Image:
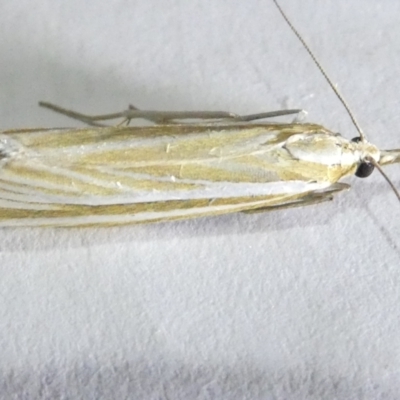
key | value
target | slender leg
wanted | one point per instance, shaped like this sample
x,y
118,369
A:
x,y
229,117
265,115
165,117
72,114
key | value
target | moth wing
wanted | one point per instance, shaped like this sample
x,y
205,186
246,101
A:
x,y
130,175
139,165
305,199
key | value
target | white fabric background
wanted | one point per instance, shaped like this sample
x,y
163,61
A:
x,y
303,303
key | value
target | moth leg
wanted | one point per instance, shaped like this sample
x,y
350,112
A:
x,y
164,117
265,115
87,119
154,119
133,112
91,120
311,198
170,117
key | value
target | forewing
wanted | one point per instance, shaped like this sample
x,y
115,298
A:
x,y
151,173
304,199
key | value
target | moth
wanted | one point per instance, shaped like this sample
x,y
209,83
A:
x,y
110,175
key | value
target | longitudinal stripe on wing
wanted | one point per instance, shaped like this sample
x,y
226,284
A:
x,y
62,138
73,215
125,175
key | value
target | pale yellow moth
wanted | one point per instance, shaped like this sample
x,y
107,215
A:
x,y
109,175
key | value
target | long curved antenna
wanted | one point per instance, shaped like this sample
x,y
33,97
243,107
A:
x,y
323,72
376,164
389,156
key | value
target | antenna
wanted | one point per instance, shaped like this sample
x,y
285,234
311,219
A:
x,y
323,72
338,95
396,192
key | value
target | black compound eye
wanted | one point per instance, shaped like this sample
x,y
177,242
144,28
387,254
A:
x,y
365,169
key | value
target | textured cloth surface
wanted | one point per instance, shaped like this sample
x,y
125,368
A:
x,y
301,303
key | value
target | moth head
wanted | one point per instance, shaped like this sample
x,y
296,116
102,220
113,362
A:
x,y
373,158
367,165
368,160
